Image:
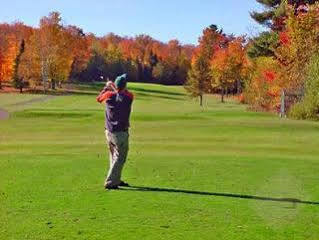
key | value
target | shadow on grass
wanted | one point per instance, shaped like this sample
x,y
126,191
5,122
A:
x,y
52,115
230,195
95,88
34,100
62,92
148,96
137,89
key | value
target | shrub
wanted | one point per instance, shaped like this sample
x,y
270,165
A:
x,y
262,88
308,108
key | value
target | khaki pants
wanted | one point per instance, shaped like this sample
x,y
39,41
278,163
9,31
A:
x,y
118,148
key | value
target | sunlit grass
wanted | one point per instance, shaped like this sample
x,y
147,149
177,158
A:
x,y
53,159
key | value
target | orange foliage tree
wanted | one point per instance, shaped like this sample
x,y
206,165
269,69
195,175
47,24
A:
x,y
288,69
226,66
8,53
199,77
298,42
263,88
49,53
80,49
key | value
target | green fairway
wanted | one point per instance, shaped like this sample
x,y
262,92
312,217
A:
x,y
208,173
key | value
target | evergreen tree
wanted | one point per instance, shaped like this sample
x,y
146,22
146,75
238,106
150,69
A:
x,y
263,45
272,17
18,81
274,12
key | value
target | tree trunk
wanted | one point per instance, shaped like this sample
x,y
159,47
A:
x,y
222,95
0,85
201,100
52,84
44,75
21,87
238,91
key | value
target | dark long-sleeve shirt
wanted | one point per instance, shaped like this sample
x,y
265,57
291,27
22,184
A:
x,y
118,109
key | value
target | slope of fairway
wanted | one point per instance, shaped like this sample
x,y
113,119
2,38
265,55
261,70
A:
x,y
217,172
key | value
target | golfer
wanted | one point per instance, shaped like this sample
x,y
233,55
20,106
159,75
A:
x,y
117,114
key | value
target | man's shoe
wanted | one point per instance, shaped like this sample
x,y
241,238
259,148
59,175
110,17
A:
x,y
111,187
124,184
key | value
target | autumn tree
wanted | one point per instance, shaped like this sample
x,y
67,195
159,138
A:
x,y
172,64
8,51
6,56
54,53
30,62
52,47
263,88
1,64
199,77
288,68
226,66
274,17
80,50
1,61
298,43
11,37
198,81
142,51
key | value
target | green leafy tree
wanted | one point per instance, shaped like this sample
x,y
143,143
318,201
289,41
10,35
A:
x,y
308,108
163,73
198,81
264,45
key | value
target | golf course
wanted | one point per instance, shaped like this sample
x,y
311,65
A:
x,y
211,172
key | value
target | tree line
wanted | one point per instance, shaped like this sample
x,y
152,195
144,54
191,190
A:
x,y
54,53
258,69
285,58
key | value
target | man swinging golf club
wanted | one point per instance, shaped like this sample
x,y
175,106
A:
x,y
117,114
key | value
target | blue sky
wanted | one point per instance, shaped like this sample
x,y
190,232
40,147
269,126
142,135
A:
x,y
162,19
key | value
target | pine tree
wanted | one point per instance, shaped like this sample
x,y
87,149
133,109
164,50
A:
x,y
272,17
274,12
263,45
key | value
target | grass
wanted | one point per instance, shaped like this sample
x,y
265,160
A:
x,y
53,160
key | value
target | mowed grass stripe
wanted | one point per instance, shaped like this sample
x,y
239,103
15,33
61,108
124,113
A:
x,y
53,159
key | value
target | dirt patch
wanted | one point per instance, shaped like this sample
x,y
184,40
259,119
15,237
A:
x,y
3,114
7,90
34,100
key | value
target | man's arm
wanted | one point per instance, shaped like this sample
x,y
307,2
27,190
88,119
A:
x,y
99,97
104,95
107,92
